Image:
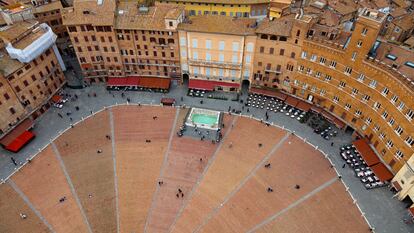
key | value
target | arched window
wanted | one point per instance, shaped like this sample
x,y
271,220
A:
x,y
170,41
273,37
263,36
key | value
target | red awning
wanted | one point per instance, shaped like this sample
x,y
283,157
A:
x,y
154,82
16,132
316,109
292,101
411,211
116,81
269,93
381,171
366,152
20,141
304,106
147,82
168,101
208,85
86,66
56,98
340,124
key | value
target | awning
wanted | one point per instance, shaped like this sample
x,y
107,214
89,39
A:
x,y
20,141
86,66
56,98
316,109
340,124
381,171
16,132
208,85
396,186
292,101
167,101
411,211
269,93
154,82
147,82
328,116
366,152
304,106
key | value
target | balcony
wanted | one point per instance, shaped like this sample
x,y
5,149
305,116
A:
x,y
218,64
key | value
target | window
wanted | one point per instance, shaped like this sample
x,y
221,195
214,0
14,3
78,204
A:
x,y
194,43
399,130
385,91
248,59
328,78
304,55
261,49
313,57
221,57
391,57
292,55
373,83
300,68
12,111
271,50
358,113
335,99
377,106
368,121
410,114
182,41
354,92
170,23
221,45
6,96
354,55
399,154
249,47
365,98
377,128
384,114
348,70
361,78
234,58
347,106
195,70
359,43
195,55
318,74
409,141
183,53
394,99
322,60
401,106
364,31
282,52
208,56
235,46
389,144
342,84
332,64
391,121
382,135
208,44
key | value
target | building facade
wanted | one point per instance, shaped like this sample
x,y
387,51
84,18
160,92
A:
x,y
371,97
32,72
138,41
217,51
236,8
278,46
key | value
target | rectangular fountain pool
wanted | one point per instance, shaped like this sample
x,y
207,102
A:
x,y
203,118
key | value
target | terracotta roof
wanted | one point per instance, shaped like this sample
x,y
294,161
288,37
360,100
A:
x,y
224,1
7,64
401,3
280,27
409,42
219,24
398,12
89,12
381,3
405,22
129,17
402,55
343,7
48,7
14,31
329,18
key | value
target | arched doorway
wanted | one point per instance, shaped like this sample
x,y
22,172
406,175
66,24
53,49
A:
x,y
186,78
245,86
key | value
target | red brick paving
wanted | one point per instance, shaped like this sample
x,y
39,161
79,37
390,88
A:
x,y
44,183
139,163
92,173
231,165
